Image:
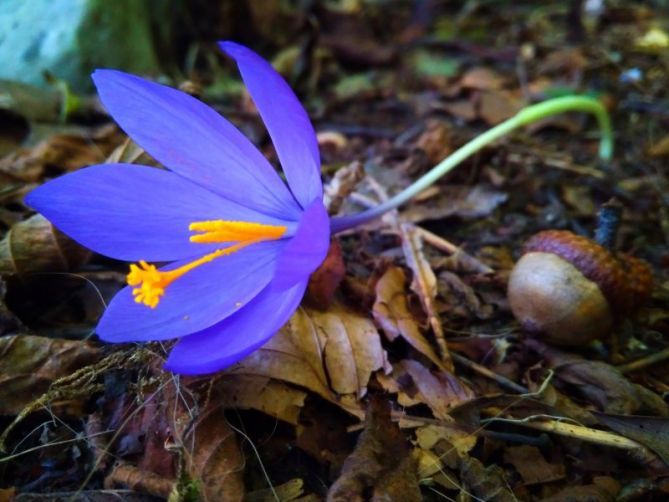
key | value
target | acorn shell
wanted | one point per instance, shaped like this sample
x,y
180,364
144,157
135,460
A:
x,y
571,289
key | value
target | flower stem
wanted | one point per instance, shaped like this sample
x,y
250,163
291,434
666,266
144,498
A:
x,y
524,117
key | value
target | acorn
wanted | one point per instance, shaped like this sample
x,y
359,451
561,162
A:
x,y
571,290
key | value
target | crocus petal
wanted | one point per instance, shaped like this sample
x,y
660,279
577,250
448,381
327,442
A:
x,y
195,301
237,336
194,141
288,124
134,212
307,249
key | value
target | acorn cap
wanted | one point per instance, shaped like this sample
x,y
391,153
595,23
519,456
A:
x,y
625,282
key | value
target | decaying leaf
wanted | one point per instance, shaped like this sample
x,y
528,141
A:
x,y
64,151
381,463
29,364
486,483
429,436
213,457
424,284
652,432
391,312
602,384
261,393
532,466
463,201
415,384
324,282
330,353
34,246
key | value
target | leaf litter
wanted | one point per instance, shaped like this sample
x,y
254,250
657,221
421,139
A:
x,y
403,375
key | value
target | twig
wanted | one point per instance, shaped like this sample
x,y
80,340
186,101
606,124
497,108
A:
x,y
644,362
486,372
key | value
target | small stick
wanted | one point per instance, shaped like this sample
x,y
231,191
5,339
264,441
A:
x,y
644,362
485,372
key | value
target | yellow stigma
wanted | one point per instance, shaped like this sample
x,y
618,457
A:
x,y
151,282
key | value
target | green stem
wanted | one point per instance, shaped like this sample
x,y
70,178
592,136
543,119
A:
x,y
524,117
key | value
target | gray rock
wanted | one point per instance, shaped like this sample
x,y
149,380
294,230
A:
x,y
70,38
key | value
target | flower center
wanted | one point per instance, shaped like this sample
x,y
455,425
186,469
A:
x,y
151,282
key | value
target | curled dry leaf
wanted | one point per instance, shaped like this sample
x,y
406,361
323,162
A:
x,y
414,384
485,483
65,151
424,283
324,282
391,312
213,456
600,383
381,462
34,246
261,393
330,353
29,364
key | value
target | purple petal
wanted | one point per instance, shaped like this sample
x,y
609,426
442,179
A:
x,y
133,212
307,249
194,141
287,122
195,301
238,335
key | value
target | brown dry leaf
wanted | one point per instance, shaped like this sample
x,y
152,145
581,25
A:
x,y
481,78
213,456
600,383
381,462
330,353
429,436
260,393
435,141
342,185
463,201
391,312
324,282
66,151
660,148
497,106
415,384
532,466
589,493
29,364
34,245
652,432
9,323
424,284
138,480
464,109
486,483
291,490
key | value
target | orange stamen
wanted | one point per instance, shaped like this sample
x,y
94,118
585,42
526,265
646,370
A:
x,y
152,282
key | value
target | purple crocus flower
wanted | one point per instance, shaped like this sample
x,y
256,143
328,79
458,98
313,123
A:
x,y
241,243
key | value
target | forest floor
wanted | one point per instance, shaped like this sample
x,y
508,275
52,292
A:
x,y
404,375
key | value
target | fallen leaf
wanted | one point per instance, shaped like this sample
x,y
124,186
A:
x,y
486,483
380,463
424,284
325,280
481,78
260,393
330,353
532,466
213,456
462,441
652,432
497,106
391,312
30,364
34,245
463,201
415,384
